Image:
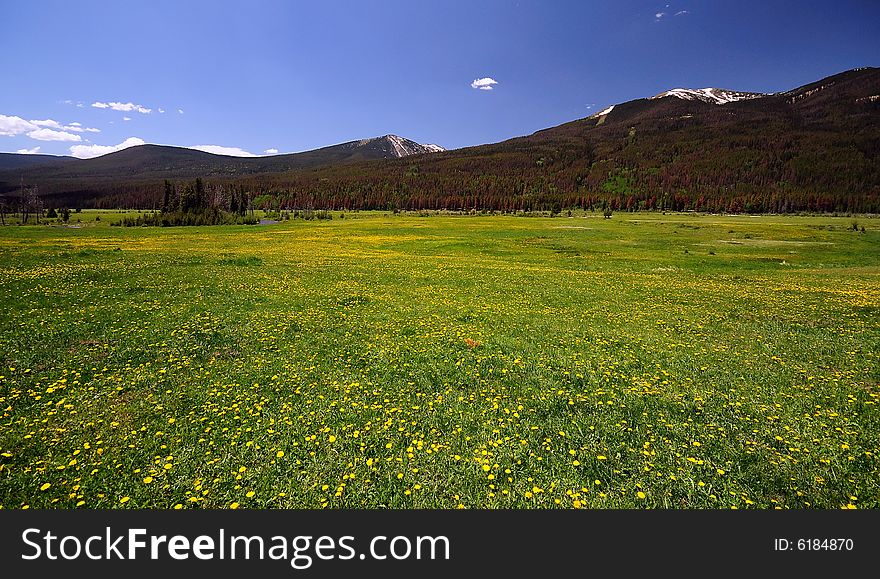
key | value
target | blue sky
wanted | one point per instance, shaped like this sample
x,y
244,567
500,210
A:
x,y
289,76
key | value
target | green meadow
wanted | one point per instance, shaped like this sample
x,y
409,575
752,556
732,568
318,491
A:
x,y
648,360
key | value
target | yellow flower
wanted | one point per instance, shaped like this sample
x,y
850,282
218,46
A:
x,y
601,457
331,438
124,500
250,494
148,480
45,486
279,454
233,506
640,494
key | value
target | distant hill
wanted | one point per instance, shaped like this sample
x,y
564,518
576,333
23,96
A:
x,y
20,161
165,162
813,148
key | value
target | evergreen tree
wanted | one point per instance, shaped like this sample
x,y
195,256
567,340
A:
x,y
167,197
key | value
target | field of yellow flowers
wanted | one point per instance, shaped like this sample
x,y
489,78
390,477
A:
x,y
648,360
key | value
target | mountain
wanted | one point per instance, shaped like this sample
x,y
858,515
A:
x,y
166,162
20,161
812,148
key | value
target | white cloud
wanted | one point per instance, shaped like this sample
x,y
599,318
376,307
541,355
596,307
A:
x,y
271,151
42,130
48,123
122,107
11,126
33,151
659,15
80,105
89,151
180,111
126,118
53,135
682,12
484,83
218,150
162,111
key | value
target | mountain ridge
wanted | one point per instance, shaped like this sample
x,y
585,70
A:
x,y
384,147
812,148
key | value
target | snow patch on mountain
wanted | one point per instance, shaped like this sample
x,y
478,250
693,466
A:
x,y
795,96
718,96
401,147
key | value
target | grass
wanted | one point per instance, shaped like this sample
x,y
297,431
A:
x,y
649,360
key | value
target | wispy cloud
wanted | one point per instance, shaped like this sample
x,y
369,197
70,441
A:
x,y
486,83
48,123
218,150
661,14
180,111
122,107
271,151
72,127
89,151
162,111
126,118
33,151
53,135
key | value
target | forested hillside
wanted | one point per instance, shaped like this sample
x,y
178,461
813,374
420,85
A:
x,y
815,148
